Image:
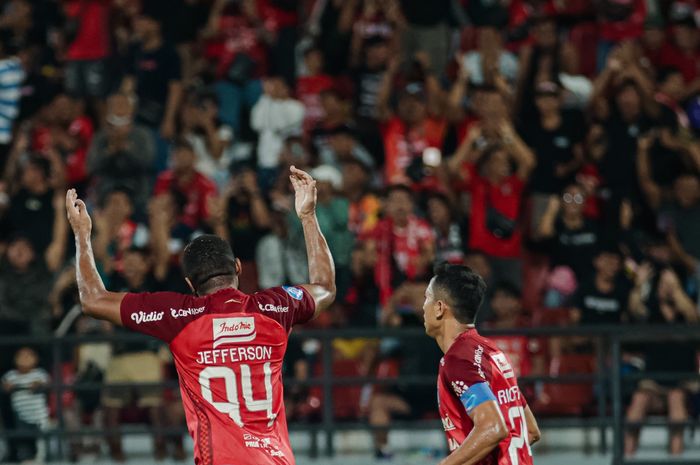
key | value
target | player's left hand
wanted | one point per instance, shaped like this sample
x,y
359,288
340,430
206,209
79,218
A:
x,y
77,214
304,192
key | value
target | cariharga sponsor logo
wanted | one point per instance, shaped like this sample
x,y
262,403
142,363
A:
x,y
143,317
273,308
183,312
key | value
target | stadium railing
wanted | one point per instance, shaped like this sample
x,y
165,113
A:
x,y
609,383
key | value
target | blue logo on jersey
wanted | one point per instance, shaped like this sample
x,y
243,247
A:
x,y
295,292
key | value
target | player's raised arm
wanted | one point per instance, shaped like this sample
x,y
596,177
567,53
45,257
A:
x,y
321,267
95,300
489,429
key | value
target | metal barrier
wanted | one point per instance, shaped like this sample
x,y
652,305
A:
x,y
609,381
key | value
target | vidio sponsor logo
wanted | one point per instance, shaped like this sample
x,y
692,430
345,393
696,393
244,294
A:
x,y
143,317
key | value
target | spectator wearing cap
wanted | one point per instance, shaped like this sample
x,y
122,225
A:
x,y
485,171
310,85
409,132
193,185
401,247
210,139
122,153
154,76
275,116
555,136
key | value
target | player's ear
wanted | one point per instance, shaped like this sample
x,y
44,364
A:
x,y
191,286
239,267
439,309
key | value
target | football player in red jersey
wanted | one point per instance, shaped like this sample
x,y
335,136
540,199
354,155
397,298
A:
x,y
485,416
227,346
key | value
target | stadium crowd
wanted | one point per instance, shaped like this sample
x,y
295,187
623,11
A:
x,y
553,146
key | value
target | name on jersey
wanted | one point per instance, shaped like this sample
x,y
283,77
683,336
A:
x,y
146,317
506,396
233,329
183,312
234,354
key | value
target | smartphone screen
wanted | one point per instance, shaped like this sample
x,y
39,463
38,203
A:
x,y
432,157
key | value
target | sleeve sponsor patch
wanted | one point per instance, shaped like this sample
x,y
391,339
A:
x,y
294,292
476,395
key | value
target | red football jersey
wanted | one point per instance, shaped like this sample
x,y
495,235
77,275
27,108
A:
x,y
228,349
473,360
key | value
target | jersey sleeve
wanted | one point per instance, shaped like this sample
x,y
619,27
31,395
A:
x,y
155,313
468,380
288,305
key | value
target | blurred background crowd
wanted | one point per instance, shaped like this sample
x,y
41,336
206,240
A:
x,y
550,145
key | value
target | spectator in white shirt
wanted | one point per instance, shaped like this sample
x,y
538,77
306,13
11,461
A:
x,y
275,117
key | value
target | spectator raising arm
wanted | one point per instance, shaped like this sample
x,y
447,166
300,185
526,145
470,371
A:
x,y
521,154
56,250
96,301
321,267
546,228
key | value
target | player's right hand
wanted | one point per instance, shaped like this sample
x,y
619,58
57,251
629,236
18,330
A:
x,y
77,214
304,192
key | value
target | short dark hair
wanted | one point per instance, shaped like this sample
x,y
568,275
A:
x,y
207,257
665,73
41,163
398,187
464,288
507,288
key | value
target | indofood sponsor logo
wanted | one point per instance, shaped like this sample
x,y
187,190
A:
x,y
234,329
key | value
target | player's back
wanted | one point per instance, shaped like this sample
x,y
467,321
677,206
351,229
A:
x,y
474,359
228,349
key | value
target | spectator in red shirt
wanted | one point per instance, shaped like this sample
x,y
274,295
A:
x,y
70,133
682,50
237,47
88,34
496,194
310,85
407,134
402,245
184,178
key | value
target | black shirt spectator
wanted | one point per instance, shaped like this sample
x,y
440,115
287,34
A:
x,y
603,299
